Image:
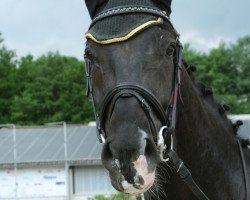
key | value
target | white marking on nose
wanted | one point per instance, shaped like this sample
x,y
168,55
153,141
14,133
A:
x,y
138,188
141,165
140,185
143,180
129,188
144,135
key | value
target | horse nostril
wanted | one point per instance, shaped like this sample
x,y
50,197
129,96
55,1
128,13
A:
x,y
109,160
139,180
130,180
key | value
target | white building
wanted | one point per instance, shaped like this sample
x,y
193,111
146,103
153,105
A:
x,y
42,169
244,130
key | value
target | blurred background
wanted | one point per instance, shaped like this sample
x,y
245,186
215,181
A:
x,y
42,80
42,46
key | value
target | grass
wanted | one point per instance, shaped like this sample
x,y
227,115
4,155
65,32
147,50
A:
x,y
118,196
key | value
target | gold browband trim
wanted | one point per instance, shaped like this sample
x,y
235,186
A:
x,y
126,37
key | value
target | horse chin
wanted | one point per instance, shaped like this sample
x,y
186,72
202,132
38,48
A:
x,y
142,180
134,189
138,189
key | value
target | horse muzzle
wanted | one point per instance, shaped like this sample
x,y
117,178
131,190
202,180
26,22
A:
x,y
133,178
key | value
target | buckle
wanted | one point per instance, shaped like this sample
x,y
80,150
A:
x,y
103,140
101,136
162,143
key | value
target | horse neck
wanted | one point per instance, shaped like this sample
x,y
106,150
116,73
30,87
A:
x,y
200,124
206,143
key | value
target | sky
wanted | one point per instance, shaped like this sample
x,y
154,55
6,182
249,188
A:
x,y
40,26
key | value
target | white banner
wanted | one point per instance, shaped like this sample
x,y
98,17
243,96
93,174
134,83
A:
x,y
48,182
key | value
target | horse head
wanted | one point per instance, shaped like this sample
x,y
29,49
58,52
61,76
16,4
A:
x,y
135,78
124,84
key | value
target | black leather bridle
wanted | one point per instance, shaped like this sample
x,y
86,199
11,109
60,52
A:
x,y
147,100
149,103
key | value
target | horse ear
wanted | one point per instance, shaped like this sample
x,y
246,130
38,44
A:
x,y
94,6
165,5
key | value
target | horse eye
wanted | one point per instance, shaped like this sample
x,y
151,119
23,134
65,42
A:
x,y
88,55
170,50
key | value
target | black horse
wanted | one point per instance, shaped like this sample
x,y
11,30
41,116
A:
x,y
151,112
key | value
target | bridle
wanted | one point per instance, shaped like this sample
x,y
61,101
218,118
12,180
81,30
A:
x,y
146,99
149,103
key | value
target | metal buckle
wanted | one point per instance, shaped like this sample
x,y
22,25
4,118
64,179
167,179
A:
x,y
101,136
248,146
162,146
103,140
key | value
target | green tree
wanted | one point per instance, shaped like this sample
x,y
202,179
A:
x,y
52,89
8,64
227,69
240,59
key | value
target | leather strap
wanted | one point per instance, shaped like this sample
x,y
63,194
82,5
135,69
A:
x,y
146,98
185,174
244,170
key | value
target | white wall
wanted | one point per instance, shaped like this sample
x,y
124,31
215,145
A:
x,y
50,183
244,130
33,182
91,180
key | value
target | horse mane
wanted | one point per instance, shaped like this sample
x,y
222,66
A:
x,y
207,94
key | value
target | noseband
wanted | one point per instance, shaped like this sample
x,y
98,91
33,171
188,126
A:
x,y
147,100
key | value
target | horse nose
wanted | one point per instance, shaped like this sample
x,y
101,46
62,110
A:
x,y
131,167
131,171
125,158
128,149
124,151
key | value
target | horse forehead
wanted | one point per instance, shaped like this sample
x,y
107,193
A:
x,y
126,61
129,55
146,39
